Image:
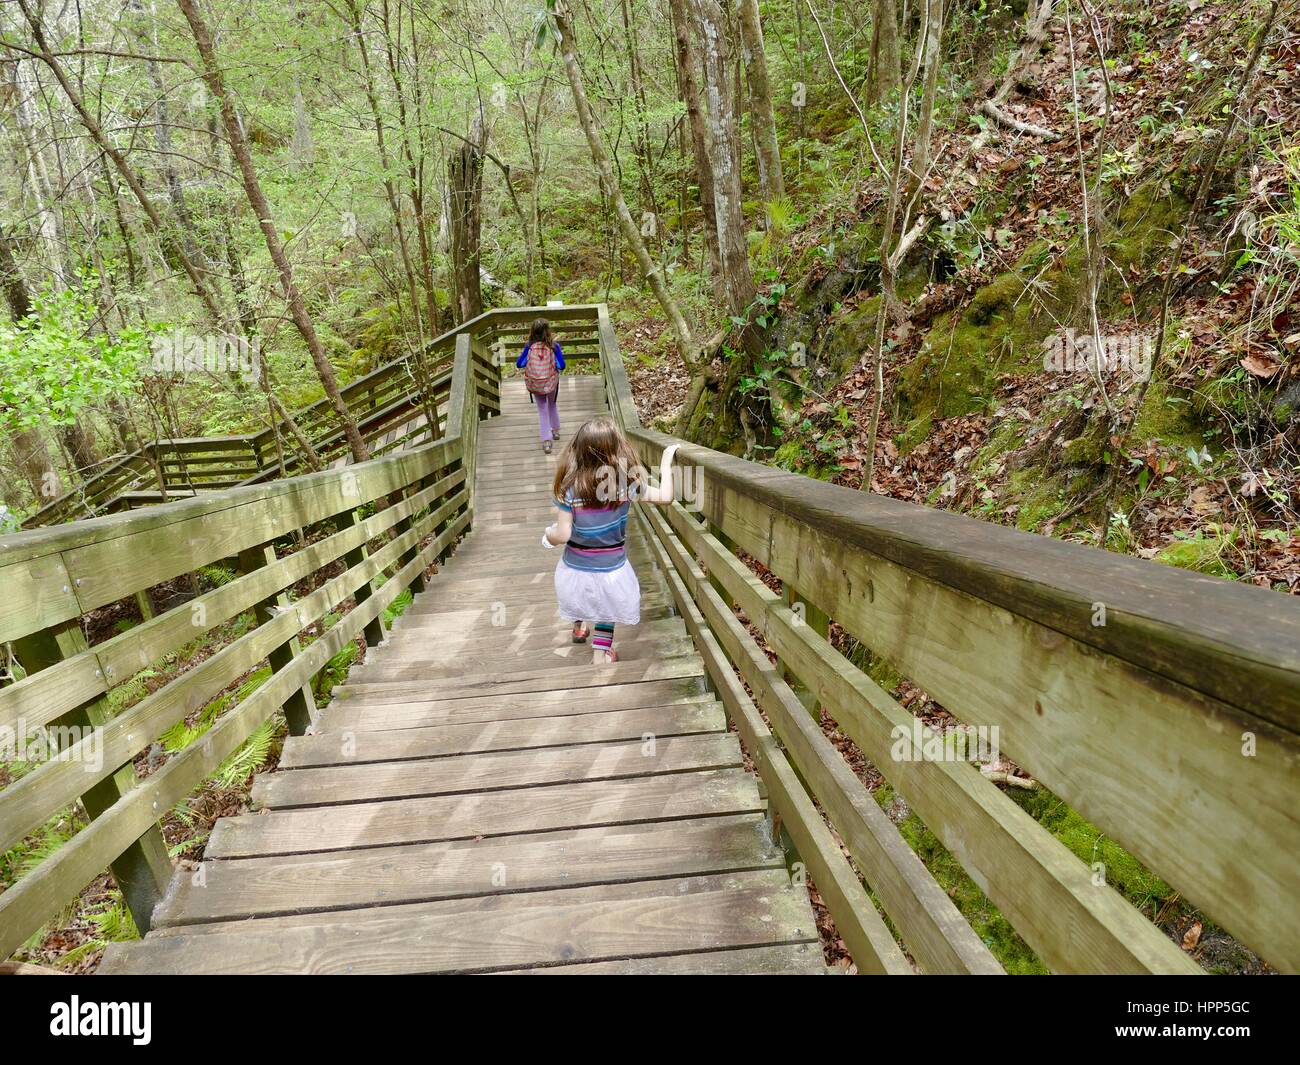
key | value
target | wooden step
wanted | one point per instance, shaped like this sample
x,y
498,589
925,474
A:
x,y
386,876
485,620
495,813
360,714
739,910
428,665
571,678
495,772
415,645
700,715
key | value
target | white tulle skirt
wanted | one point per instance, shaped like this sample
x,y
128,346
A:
x,y
586,596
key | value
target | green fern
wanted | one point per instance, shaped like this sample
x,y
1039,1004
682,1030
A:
x,y
249,758
216,575
335,671
130,692
397,607
112,923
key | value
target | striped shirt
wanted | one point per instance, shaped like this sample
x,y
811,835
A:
x,y
596,544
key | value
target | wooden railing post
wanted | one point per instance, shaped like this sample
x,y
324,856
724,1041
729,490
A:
x,y
819,621
301,705
143,869
730,545
374,628
417,584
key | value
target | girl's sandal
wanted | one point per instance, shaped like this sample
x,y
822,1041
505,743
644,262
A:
x,y
580,633
546,446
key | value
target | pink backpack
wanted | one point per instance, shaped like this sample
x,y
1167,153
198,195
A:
x,y
540,373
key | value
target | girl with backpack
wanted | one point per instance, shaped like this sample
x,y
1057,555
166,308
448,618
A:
x,y
542,362
597,478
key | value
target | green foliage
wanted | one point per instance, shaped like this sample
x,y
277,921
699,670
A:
x,y
254,754
112,923
59,360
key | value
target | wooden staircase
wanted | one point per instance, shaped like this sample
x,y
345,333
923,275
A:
x,y
480,798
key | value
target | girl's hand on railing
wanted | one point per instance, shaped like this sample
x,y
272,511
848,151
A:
x,y
664,492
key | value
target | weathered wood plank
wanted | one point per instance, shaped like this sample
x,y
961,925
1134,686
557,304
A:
x,y
385,876
428,820
360,715
1237,643
495,772
563,677
337,748
572,656
503,937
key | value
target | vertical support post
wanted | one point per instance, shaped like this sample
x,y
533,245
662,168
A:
x,y
143,869
145,603
730,545
404,526
374,630
809,614
300,707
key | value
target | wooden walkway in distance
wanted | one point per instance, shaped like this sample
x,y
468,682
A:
x,y
480,798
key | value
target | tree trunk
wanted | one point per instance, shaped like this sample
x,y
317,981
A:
x,y
162,136
465,186
770,176
734,285
414,163
886,68
79,446
31,454
688,80
215,82
390,189
934,20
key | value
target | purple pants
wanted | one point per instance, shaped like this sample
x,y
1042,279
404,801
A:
x,y
548,417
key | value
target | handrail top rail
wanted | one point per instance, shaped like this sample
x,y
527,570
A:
x,y
1237,643
34,543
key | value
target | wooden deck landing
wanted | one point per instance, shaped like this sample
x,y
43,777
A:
x,y
479,798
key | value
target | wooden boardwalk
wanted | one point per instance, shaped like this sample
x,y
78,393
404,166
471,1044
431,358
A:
x,y
480,798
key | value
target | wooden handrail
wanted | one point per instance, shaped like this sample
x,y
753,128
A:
x,y
1163,705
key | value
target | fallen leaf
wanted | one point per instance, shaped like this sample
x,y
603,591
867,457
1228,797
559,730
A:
x,y
1192,936
1260,365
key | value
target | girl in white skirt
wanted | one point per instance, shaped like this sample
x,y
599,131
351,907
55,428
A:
x,y
597,478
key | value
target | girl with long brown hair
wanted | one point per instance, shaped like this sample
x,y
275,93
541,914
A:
x,y
597,478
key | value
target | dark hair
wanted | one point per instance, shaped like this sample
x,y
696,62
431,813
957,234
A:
x,y
540,333
598,465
